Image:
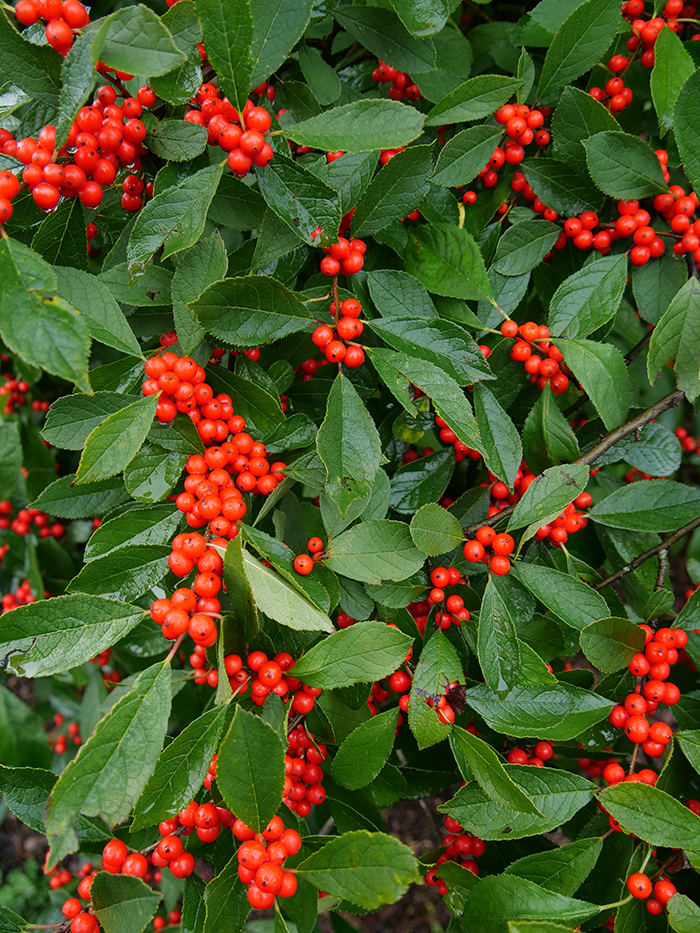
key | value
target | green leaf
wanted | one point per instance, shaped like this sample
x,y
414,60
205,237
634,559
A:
x,y
193,906
550,711
381,32
395,191
322,78
548,495
654,505
435,531
585,35
123,903
422,18
22,736
112,767
204,263
156,524
43,330
610,644
250,311
601,370
301,199
374,551
363,653
438,341
656,284
524,245
575,603
226,901
35,69
261,410
475,99
25,792
448,262
153,473
490,774
152,286
556,795
675,338
560,187
179,435
367,869
563,869
112,445
498,648
11,460
348,444
652,815
227,36
250,769
683,914
686,129
360,126
673,65
10,922
175,140
280,601
124,574
135,40
589,298
439,665
465,155
623,166
502,449
548,438
576,117
104,318
49,636
60,238
180,84
64,500
72,418
363,754
174,219
425,480
689,742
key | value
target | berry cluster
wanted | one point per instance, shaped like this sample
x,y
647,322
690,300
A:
x,y
640,886
104,137
401,84
303,771
399,682
260,860
61,17
491,549
687,442
541,752
653,669
346,257
461,847
304,563
452,611
543,370
192,610
646,32
240,135
59,740
331,340
173,920
615,96
17,395
25,518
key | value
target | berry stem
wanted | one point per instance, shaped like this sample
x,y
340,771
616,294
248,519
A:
x,y
616,904
173,650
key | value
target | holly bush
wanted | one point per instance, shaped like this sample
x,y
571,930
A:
x,y
349,460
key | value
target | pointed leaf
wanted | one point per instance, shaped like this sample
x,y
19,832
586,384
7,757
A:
x,y
360,126
675,338
439,666
363,754
475,99
563,869
279,600
673,65
498,648
435,531
575,603
204,263
381,32
465,155
123,904
396,190
560,187
104,318
126,573
623,166
227,34
112,445
686,128
25,791
523,246
374,551
655,505
502,898
652,815
549,494
601,370
589,298
448,262
135,40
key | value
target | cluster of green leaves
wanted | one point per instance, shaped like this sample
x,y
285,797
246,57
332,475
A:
x,y
233,264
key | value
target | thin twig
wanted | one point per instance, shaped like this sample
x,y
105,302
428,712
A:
x,y
663,569
664,546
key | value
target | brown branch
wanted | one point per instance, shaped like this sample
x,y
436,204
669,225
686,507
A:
x,y
662,547
614,437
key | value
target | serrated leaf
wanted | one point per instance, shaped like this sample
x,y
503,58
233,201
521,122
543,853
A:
x,y
576,117
156,524
575,603
123,903
652,815
104,318
523,246
583,38
227,34
548,438
396,190
381,32
563,869
374,551
36,69
673,66
301,199
367,869
64,500
364,752
497,647
448,262
475,99
279,600
11,460
250,769
174,219
72,418
175,140
435,531
560,187
112,445
490,774
226,902
250,311
589,298
601,370
360,126
675,338
683,914
610,644
362,653
277,27
549,494
465,155
623,166
49,636
439,666
135,40
415,484
126,573
111,768
25,792
422,18
204,263
60,238
502,448
655,505
686,129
